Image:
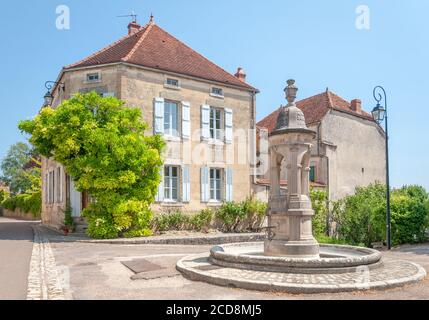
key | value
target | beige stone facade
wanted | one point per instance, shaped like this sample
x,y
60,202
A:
x,y
140,87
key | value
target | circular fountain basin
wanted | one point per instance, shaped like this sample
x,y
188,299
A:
x,y
339,269
333,259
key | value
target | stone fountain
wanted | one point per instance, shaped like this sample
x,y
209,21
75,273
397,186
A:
x,y
290,259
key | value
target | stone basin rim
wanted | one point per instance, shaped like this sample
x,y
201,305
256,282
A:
x,y
358,256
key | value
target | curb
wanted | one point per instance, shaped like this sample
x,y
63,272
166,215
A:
x,y
191,240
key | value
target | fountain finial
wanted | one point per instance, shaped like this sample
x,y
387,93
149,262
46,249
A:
x,y
291,91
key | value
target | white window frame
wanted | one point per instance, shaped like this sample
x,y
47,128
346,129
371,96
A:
x,y
168,183
93,74
216,134
169,131
217,185
172,83
217,92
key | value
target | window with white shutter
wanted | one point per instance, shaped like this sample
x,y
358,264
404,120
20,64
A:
x,y
228,126
186,120
229,185
159,115
205,187
186,181
160,195
205,122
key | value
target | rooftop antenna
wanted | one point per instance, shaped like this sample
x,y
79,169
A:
x,y
133,15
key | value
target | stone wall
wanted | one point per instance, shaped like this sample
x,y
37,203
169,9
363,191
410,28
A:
x,y
19,215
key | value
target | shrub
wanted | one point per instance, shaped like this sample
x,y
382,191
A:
x,y
256,211
30,202
319,201
170,221
230,214
361,217
201,221
68,218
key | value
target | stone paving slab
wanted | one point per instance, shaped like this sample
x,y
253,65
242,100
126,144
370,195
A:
x,y
391,274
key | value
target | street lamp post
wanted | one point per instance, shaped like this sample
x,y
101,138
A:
x,y
49,98
379,113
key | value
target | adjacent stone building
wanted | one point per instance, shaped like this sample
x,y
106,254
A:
x,y
206,115
348,150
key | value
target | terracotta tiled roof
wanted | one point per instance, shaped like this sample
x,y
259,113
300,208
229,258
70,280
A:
x,y
153,47
315,108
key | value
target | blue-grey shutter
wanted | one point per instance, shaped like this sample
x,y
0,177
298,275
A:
x,y
205,184
159,115
229,196
186,184
186,120
160,195
228,126
205,122
108,94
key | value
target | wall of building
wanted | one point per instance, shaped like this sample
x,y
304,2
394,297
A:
x,y
138,87
357,156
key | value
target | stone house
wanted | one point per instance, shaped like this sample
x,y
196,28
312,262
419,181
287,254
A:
x,y
348,151
206,115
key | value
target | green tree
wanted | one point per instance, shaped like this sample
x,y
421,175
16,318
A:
x,y
103,147
319,203
12,166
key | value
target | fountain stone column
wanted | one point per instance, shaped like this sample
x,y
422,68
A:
x,y
290,215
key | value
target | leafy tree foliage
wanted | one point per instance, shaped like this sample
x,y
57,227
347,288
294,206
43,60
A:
x,y
103,147
13,167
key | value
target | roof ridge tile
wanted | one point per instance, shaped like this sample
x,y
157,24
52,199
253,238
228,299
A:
x,y
148,28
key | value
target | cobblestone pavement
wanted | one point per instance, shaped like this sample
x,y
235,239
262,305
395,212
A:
x,y
389,274
46,281
96,272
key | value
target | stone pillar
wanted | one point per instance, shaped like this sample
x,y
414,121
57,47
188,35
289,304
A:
x,y
290,217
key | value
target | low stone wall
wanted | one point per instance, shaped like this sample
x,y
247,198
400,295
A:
x,y
19,215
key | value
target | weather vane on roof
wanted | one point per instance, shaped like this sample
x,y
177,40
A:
x,y
133,15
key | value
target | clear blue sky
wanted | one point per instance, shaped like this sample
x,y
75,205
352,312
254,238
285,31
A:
x,y
315,42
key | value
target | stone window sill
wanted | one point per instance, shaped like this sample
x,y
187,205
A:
x,y
218,96
169,86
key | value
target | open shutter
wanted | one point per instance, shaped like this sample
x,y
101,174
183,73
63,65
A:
x,y
186,120
186,189
159,115
205,187
228,125
205,122
160,195
228,182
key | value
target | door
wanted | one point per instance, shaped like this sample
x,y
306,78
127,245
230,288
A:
x,y
75,200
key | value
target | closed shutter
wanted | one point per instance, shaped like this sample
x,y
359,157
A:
x,y
205,122
186,120
159,115
229,196
205,186
186,184
228,125
160,195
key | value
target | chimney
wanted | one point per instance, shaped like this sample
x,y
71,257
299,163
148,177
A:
x,y
241,74
133,27
356,105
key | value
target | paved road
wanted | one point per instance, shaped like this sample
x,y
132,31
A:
x,y
96,272
16,244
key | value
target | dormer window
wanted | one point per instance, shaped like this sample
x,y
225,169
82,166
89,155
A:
x,y
92,77
217,92
172,82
